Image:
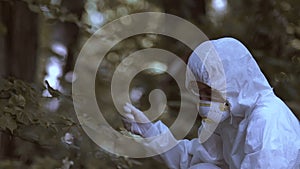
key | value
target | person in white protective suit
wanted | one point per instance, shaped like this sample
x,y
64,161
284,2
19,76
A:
x,y
256,130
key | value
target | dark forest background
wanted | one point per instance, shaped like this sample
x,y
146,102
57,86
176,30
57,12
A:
x,y
41,39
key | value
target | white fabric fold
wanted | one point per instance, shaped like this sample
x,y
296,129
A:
x,y
262,132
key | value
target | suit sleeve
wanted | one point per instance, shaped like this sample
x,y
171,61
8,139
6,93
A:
x,y
188,153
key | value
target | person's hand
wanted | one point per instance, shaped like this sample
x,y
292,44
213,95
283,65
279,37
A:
x,y
135,120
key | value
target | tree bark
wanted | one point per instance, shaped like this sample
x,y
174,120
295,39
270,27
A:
x,y
189,9
4,7
21,40
18,52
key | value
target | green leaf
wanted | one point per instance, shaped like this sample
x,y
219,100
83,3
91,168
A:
x,y
23,118
34,8
7,122
9,110
55,2
295,43
17,100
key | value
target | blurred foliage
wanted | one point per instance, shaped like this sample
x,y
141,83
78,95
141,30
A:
x,y
52,10
44,138
47,140
270,30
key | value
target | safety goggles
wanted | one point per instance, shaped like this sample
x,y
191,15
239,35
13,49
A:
x,y
223,107
202,90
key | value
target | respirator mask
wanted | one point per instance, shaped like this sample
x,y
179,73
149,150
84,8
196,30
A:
x,y
212,113
212,108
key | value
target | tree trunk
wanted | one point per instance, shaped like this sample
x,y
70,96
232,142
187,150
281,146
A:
x,y
189,9
21,41
4,11
18,51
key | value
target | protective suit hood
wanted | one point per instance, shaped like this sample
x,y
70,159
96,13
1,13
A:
x,y
264,133
227,66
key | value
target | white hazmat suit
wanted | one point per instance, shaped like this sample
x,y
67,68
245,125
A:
x,y
261,131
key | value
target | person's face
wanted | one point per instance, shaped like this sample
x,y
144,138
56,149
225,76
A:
x,y
205,92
